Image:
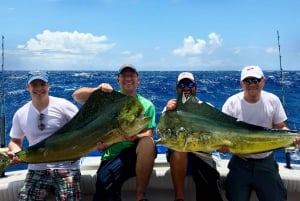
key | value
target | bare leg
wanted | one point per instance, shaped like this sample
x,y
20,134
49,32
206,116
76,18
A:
x,y
144,165
178,165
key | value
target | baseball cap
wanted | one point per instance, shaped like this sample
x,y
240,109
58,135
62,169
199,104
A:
x,y
127,66
251,71
186,75
37,75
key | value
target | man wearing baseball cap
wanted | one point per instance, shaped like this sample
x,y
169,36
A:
x,y
132,157
258,172
37,120
203,170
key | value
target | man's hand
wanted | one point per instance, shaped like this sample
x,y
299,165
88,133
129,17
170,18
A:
x,y
171,104
101,146
297,141
224,150
14,159
105,87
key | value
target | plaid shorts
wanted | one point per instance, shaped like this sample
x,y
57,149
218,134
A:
x,y
64,183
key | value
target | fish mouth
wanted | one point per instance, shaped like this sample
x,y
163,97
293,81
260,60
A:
x,y
186,96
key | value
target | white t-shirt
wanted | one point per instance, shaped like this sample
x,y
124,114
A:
x,y
25,124
265,112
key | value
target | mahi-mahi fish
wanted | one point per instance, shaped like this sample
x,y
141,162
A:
x,y
198,126
105,117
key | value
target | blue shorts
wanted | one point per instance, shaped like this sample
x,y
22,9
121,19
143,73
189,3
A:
x,y
113,173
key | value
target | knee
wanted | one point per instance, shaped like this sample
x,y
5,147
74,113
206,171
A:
x,y
146,145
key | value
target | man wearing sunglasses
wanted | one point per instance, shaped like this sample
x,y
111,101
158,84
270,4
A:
x,y
36,120
258,172
203,170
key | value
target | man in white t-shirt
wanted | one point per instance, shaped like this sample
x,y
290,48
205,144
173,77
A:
x,y
258,172
36,120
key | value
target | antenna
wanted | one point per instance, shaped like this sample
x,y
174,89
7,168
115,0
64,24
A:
x,y
2,134
281,74
287,150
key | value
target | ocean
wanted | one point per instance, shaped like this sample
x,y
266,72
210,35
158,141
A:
x,y
158,86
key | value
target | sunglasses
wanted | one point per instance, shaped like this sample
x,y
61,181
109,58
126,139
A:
x,y
189,85
252,80
41,125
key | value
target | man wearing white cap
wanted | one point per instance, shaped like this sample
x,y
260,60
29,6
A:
x,y
258,172
36,120
132,157
203,170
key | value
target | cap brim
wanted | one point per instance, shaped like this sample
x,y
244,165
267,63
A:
x,y
37,78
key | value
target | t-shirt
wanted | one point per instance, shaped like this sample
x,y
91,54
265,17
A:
x,y
26,124
116,148
267,111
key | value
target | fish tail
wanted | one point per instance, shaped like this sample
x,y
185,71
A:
x,y
4,162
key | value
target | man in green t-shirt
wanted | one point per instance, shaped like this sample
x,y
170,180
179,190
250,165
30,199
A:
x,y
132,157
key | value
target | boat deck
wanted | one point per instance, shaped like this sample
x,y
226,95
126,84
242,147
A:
x,y
160,186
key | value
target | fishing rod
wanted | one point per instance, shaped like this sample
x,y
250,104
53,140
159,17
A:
x,y
2,134
281,74
287,150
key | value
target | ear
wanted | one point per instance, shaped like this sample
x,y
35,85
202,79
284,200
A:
x,y
242,83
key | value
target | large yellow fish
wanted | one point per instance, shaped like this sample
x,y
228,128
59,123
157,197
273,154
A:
x,y
195,126
106,117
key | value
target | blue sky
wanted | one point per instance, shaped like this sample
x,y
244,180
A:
x,y
151,34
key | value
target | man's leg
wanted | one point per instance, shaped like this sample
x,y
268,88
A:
x,y
178,167
146,154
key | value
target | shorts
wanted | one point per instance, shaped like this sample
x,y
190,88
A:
x,y
64,183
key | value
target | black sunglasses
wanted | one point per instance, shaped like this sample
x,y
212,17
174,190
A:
x,y
252,80
190,85
41,125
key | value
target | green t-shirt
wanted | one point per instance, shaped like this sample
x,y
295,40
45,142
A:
x,y
116,148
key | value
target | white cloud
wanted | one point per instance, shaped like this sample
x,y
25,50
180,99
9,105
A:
x,y
272,50
196,47
67,42
70,50
130,57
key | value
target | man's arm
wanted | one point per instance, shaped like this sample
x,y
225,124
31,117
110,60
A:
x,y
81,95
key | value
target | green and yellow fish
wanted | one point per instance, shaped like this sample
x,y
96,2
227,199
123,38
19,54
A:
x,y
195,126
106,117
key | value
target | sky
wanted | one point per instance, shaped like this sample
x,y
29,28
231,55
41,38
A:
x,y
163,35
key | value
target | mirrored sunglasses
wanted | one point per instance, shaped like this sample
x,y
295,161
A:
x,y
189,85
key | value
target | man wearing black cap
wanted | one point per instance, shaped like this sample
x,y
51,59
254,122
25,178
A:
x,y
203,170
36,120
132,157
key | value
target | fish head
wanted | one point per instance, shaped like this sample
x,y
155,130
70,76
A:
x,y
184,131
131,117
171,133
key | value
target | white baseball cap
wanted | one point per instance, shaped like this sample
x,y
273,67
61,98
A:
x,y
251,71
186,75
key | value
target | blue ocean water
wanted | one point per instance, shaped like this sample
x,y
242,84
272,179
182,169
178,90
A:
x,y
159,87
